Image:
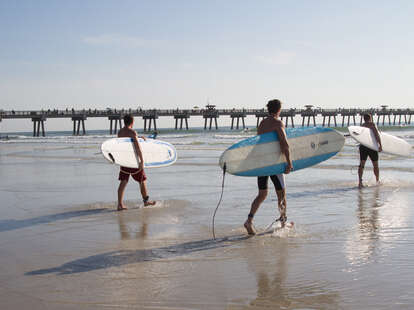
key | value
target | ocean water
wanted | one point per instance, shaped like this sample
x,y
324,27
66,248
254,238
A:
x,y
63,245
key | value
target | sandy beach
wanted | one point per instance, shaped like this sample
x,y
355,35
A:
x,y
63,245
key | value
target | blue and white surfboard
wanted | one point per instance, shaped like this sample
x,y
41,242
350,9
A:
x,y
260,155
156,153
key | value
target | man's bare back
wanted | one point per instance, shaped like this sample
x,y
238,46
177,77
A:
x,y
125,132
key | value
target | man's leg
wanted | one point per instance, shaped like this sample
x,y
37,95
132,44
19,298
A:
x,y
121,190
361,172
144,194
376,170
281,203
261,196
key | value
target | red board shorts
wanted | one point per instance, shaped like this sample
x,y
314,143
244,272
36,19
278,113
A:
x,y
125,172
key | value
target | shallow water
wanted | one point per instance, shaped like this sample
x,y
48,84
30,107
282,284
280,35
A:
x,y
64,247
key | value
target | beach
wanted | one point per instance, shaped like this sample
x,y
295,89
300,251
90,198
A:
x,y
64,245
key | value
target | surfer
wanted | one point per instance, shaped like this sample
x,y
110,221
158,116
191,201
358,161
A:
x,y
272,123
138,174
364,152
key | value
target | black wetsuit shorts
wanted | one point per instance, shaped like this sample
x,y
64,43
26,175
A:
x,y
277,179
364,152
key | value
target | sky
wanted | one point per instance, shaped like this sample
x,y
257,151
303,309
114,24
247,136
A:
x,y
234,54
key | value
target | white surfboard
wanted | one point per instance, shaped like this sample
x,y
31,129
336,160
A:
x,y
156,153
260,155
390,144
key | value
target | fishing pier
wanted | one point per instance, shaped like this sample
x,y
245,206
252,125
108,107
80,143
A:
x,y
382,116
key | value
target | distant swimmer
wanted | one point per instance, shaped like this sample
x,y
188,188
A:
x,y
269,124
364,152
138,174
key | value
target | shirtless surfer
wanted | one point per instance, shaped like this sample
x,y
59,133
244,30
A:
x,y
137,174
272,123
364,152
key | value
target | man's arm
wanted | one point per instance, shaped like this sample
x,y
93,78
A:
x,y
377,136
284,147
138,152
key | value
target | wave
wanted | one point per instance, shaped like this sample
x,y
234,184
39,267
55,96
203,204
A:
x,y
172,136
189,143
233,137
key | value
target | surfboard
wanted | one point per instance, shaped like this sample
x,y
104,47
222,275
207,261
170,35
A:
x,y
156,153
260,155
390,144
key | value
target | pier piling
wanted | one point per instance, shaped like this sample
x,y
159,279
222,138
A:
x,y
114,121
77,121
210,114
237,116
37,122
181,117
309,113
150,116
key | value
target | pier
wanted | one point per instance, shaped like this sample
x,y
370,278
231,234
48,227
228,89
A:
x,y
383,116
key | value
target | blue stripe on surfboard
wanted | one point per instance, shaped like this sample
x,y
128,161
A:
x,y
280,168
272,136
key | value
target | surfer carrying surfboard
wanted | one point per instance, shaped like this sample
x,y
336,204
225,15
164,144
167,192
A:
x,y
364,152
269,124
138,174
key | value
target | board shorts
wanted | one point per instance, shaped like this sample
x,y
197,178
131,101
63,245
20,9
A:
x,y
364,152
125,172
277,179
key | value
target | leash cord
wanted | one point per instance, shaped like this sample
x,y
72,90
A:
x,y
221,197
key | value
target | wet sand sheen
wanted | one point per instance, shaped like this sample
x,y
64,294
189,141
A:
x,y
64,246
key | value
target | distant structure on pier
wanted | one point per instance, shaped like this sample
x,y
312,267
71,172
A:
x,y
210,114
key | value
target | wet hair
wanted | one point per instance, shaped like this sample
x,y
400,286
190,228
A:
x,y
367,117
128,119
274,106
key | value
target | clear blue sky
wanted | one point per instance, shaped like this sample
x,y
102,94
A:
x,y
168,54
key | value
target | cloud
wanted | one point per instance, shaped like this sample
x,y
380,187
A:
x,y
119,40
277,58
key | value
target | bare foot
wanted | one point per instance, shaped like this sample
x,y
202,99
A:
x,y
249,227
122,207
360,185
149,203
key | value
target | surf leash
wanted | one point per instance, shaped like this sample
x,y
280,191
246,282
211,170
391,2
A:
x,y
221,197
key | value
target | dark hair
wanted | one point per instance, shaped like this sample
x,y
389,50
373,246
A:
x,y
273,106
128,119
367,117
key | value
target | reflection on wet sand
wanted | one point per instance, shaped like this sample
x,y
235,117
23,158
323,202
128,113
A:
x,y
368,221
128,233
380,213
275,291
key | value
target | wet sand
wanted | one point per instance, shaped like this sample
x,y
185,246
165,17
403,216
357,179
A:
x,y
63,245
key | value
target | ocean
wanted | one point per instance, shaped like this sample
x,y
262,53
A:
x,y
63,245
